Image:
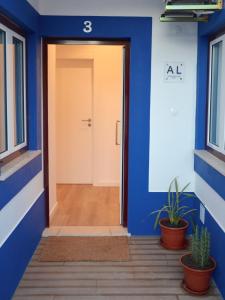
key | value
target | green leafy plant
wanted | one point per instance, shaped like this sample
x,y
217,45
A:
x,y
200,247
174,207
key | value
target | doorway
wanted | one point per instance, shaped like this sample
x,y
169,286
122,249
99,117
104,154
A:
x,y
87,96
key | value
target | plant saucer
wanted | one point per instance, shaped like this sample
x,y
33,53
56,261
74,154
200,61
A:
x,y
184,286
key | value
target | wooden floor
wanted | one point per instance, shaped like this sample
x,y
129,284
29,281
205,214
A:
x,y
86,205
152,273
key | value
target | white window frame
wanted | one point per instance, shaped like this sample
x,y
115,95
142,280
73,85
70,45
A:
x,y
221,147
10,101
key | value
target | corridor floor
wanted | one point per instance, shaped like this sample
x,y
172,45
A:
x,y
152,273
86,205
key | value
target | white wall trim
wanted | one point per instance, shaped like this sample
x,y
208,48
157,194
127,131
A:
x,y
53,210
17,163
14,212
212,201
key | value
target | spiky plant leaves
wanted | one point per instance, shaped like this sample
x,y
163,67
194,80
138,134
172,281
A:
x,y
200,247
173,207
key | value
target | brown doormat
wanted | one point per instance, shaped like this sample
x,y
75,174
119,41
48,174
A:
x,y
61,249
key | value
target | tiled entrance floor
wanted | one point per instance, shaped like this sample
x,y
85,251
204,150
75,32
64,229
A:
x,y
85,231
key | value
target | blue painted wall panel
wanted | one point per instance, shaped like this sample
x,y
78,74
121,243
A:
x,y
217,247
10,187
210,175
217,182
138,31
17,251
202,93
21,12
34,90
27,18
217,251
103,27
216,23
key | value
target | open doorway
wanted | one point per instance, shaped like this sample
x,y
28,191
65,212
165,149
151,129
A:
x,y
86,135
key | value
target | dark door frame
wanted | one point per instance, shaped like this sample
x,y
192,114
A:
x,y
71,41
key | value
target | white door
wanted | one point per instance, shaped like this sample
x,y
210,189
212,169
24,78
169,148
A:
x,y
74,121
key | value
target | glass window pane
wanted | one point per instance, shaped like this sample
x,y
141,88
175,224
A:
x,y
3,114
19,91
215,99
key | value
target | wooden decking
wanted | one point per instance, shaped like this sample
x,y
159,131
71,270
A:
x,y
152,274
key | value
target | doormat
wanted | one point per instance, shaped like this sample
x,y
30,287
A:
x,y
63,249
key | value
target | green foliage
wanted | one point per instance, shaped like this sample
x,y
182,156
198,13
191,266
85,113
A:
x,y
174,207
200,247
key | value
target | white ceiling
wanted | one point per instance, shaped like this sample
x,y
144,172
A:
x,y
97,7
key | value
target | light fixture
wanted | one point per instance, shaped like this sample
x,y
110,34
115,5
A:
x,y
190,10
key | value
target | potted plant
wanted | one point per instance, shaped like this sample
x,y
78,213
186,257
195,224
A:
x,y
174,227
198,265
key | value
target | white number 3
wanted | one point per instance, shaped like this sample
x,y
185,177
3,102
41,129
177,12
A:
x,y
87,27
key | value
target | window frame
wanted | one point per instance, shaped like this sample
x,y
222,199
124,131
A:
x,y
5,93
218,151
12,148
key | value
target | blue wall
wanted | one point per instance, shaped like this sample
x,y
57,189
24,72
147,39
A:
x,y
140,201
19,247
216,181
217,250
139,32
28,19
213,178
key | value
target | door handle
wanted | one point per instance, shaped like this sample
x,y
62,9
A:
x,y
86,120
117,143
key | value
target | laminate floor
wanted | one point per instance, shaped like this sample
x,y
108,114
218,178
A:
x,y
86,205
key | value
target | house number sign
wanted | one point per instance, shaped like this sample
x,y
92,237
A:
x,y
87,26
174,72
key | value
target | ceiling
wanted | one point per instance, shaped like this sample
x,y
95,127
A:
x,y
97,7
34,3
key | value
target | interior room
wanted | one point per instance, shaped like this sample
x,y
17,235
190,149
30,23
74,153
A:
x,y
85,129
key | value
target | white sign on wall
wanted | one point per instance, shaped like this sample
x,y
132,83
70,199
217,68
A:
x,y
174,72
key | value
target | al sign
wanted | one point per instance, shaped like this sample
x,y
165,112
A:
x,y
174,72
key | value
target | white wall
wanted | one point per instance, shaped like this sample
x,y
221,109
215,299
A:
x,y
172,133
172,114
107,100
98,7
170,42
51,126
74,89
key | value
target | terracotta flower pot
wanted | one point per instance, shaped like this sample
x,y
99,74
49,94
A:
x,y
173,238
197,281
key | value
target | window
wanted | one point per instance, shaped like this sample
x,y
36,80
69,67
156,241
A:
x,y
216,105
13,135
